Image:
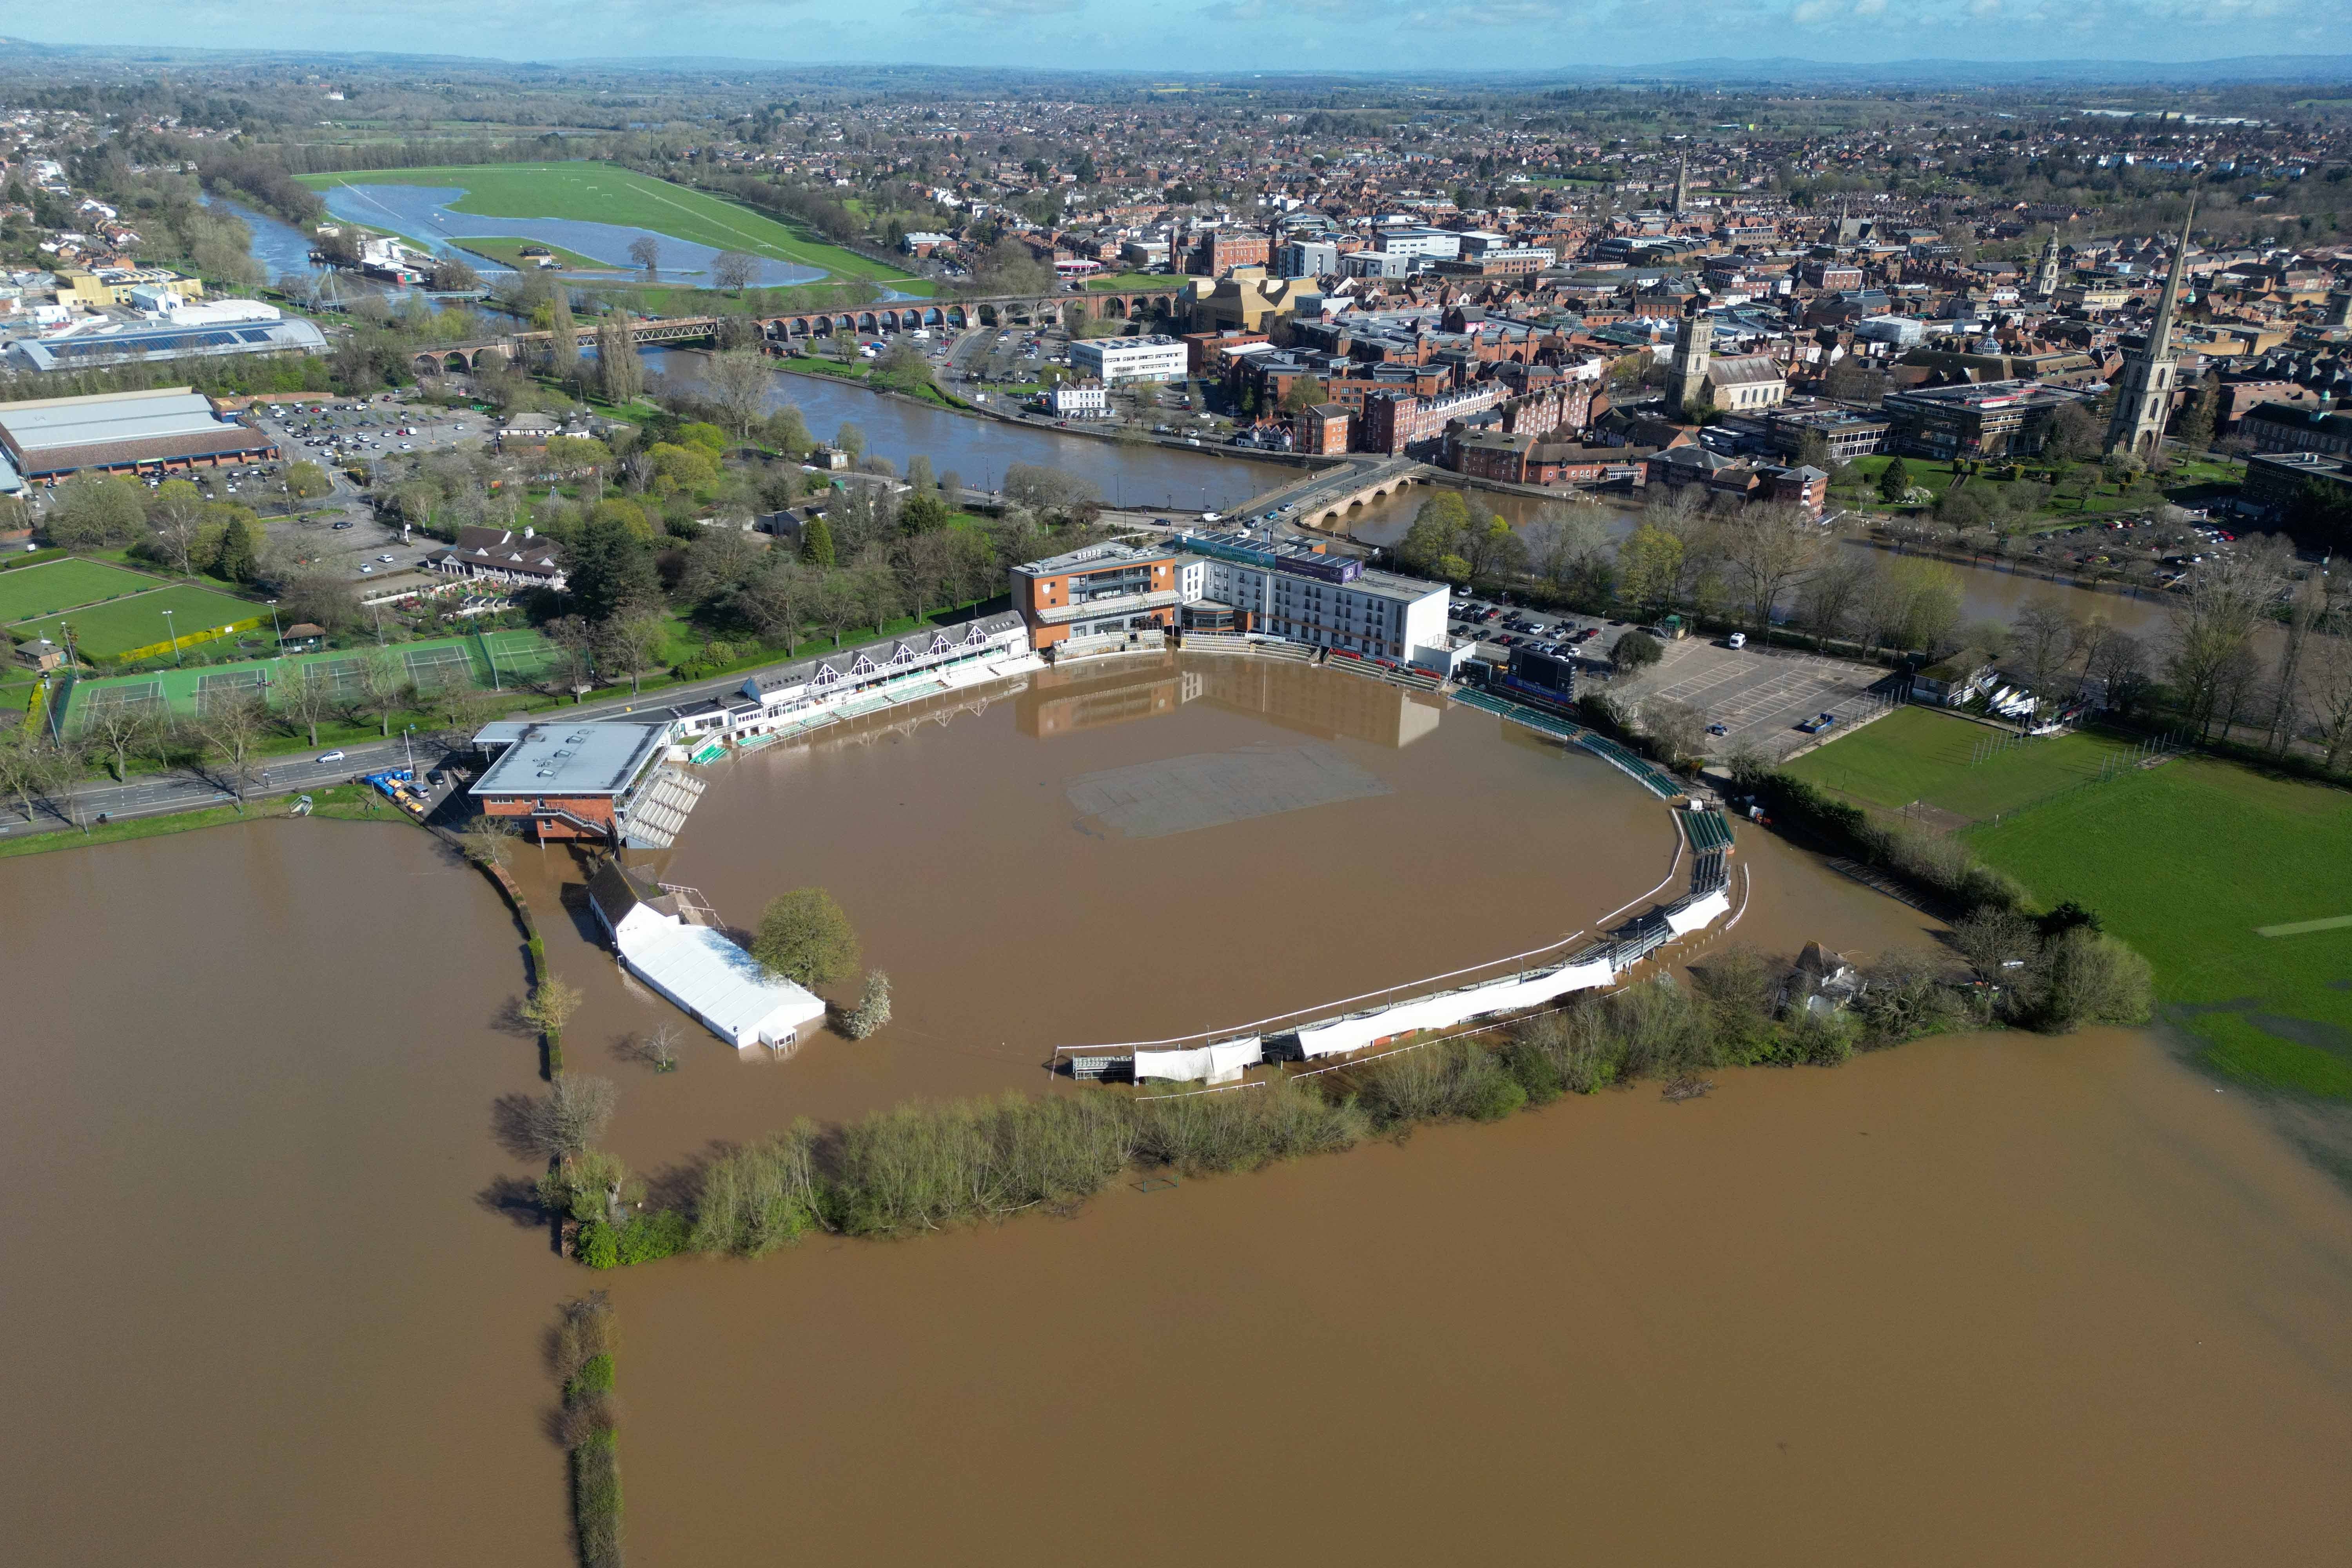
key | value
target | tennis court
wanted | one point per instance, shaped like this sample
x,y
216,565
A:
x,y
216,687
53,586
344,678
437,668
147,694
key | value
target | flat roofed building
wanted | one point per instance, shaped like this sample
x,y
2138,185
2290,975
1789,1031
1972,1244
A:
x,y
1099,589
168,427
698,968
165,341
1113,360
1998,419
569,781
1327,601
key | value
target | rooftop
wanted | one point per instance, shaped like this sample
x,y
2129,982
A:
x,y
573,760
1093,558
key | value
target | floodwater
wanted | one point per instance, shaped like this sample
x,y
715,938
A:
x,y
979,450
423,214
280,248
1978,1299
255,1311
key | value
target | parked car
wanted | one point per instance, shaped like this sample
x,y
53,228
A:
x,y
1718,730
1818,722
1737,640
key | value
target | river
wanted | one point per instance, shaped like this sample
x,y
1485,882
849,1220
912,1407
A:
x,y
1981,1299
1143,476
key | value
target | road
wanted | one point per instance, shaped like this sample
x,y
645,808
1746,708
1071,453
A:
x,y
286,775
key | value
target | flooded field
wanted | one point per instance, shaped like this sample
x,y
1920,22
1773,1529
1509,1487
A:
x,y
1986,1299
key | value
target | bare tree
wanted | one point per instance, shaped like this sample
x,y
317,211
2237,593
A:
x,y
2043,639
620,370
927,565
233,725
838,604
120,727
304,698
646,251
383,686
734,271
175,513
1831,597
550,1005
1768,548
20,765
2328,692
632,644
2306,607
776,599
488,840
738,382
2215,624
562,1125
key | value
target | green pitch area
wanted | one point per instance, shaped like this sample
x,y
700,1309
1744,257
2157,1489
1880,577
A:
x,y
55,586
102,631
1919,754
602,193
501,660
2191,862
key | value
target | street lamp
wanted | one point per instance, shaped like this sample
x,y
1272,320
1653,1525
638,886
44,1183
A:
x,y
173,628
406,731
273,629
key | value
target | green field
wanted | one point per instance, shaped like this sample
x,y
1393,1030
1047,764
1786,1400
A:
x,y
55,586
1919,754
104,630
1127,282
603,192
2185,862
508,252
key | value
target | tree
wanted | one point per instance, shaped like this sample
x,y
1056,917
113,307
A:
x,y
1649,567
2076,434
1677,730
816,545
1438,525
1303,393
2214,625
620,370
2084,977
235,561
1769,547
632,644
1830,597
563,337
734,271
385,687
2194,428
804,937
2044,639
738,382
873,1009
304,481
919,475
1993,940
923,513
175,511
233,725
303,699
20,764
1636,650
646,251
566,1121
850,439
1893,483
118,728
1566,545
489,841
903,368
94,511
610,569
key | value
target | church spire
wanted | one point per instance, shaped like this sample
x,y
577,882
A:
x,y
1682,184
2159,331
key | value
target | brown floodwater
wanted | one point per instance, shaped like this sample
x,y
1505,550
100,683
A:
x,y
1982,1299
1977,1300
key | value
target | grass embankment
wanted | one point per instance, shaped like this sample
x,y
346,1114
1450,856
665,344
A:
x,y
352,802
1135,282
2188,862
862,374
510,253
581,1354
605,192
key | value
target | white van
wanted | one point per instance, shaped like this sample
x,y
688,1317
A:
x,y
1737,640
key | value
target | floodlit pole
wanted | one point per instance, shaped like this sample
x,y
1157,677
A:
x,y
274,631
173,628
406,731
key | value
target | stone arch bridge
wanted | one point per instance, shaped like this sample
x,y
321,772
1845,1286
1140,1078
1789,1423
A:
x,y
780,331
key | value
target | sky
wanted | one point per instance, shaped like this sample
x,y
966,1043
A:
x,y
1228,35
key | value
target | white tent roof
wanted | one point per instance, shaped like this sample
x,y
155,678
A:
x,y
722,985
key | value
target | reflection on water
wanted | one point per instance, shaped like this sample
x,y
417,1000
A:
x,y
423,214
280,246
979,450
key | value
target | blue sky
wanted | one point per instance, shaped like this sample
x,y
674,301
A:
x,y
1230,36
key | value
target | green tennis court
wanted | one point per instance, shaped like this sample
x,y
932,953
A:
x,y
54,585
428,667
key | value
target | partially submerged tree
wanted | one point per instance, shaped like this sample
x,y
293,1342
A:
x,y
804,937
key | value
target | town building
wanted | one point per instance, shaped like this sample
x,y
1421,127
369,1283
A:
x,y
156,431
2276,427
2144,391
601,782
1096,591
1110,361
2277,481
1078,400
1998,419
1326,601
501,556
1321,430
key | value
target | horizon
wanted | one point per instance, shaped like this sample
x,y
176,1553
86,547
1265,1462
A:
x,y
1310,38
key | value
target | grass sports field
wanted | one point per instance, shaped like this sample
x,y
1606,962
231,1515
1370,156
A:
x,y
2190,862
104,630
55,586
2197,863
1918,754
602,193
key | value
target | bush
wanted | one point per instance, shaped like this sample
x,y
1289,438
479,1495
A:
x,y
1247,1129
596,1500
598,1246
1636,650
2084,977
927,1166
756,1198
652,1237
1450,1080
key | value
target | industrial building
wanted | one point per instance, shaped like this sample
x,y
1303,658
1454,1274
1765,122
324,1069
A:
x,y
600,782
136,432
192,331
